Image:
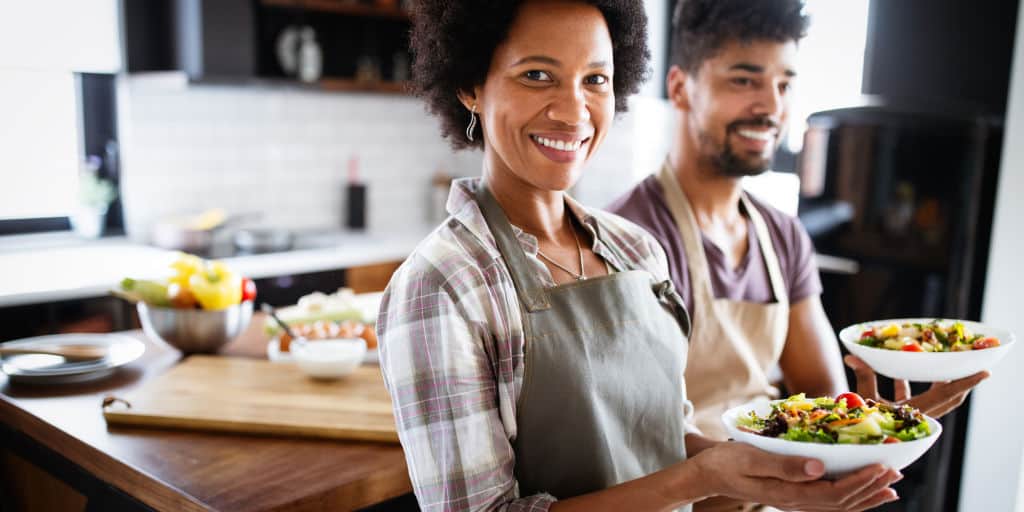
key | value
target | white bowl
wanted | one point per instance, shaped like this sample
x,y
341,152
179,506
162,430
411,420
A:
x,y
839,459
328,359
928,366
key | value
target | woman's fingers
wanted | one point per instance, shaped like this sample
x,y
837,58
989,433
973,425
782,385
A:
x,y
761,464
865,496
878,498
855,494
867,384
824,494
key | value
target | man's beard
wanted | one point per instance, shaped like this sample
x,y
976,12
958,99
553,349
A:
x,y
726,161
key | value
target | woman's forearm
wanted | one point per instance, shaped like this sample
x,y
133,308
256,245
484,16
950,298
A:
x,y
667,489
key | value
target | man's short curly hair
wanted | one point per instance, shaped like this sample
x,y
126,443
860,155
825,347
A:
x,y
453,42
700,28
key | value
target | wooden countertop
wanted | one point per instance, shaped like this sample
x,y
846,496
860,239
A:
x,y
185,471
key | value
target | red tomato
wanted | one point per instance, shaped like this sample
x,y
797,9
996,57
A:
x,y
913,346
853,400
891,440
248,289
986,343
870,333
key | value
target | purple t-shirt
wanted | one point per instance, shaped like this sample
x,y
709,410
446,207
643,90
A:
x,y
645,205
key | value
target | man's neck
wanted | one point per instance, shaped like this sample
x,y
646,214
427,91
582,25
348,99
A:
x,y
714,198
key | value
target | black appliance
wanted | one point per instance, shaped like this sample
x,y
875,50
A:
x,y
907,193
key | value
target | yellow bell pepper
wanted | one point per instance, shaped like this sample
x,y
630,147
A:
x,y
216,286
184,267
890,330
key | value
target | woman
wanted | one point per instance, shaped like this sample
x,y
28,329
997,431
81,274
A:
x,y
532,347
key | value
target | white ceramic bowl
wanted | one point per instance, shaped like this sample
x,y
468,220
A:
x,y
839,459
928,366
328,359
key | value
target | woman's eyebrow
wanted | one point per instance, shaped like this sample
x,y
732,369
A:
x,y
554,62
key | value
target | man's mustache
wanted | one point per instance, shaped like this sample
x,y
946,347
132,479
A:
x,y
754,122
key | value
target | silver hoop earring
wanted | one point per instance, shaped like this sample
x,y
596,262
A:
x,y
472,124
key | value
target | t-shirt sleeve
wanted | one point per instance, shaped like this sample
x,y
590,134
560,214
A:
x,y
804,280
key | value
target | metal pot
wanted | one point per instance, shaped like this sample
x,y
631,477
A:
x,y
194,234
263,240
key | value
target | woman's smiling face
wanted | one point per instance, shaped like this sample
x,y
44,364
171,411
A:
x,y
547,101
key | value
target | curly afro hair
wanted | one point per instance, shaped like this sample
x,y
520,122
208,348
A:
x,y
453,41
700,28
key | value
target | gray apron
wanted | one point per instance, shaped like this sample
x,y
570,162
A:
x,y
603,393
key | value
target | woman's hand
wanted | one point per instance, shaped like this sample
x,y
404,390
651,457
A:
x,y
941,398
746,473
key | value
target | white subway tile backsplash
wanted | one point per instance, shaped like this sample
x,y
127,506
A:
x,y
285,152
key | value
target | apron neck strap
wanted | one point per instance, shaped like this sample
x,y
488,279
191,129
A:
x,y
764,241
528,285
700,271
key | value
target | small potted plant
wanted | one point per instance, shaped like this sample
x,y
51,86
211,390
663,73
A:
x,y
94,197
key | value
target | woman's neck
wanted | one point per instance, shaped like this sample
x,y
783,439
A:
x,y
542,213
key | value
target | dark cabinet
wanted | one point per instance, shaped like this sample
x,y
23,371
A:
x,y
353,45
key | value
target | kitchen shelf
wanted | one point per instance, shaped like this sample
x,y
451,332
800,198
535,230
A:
x,y
341,7
350,85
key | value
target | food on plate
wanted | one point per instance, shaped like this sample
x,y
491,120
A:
x,y
326,330
846,419
335,307
193,283
925,337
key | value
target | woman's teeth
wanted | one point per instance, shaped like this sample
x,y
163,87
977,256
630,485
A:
x,y
560,145
765,135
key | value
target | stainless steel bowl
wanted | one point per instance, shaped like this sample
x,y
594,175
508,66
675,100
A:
x,y
195,331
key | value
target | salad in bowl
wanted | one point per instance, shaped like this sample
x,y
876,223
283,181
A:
x,y
845,433
927,349
846,419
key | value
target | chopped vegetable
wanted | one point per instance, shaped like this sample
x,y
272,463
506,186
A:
x,y
930,337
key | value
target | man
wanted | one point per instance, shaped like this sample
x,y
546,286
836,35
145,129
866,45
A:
x,y
745,269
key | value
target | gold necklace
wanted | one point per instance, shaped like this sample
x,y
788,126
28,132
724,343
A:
x,y
582,274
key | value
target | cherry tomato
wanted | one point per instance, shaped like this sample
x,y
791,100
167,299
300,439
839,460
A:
x,y
870,333
891,440
986,343
248,289
853,400
913,346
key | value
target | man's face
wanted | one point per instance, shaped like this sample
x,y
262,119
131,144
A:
x,y
738,105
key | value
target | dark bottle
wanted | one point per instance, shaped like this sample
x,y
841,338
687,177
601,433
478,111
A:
x,y
355,197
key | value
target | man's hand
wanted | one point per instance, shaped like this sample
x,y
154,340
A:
x,y
746,473
941,398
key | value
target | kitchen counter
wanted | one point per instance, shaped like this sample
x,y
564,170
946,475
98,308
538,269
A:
x,y
48,268
61,430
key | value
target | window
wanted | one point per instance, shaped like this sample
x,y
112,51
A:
x,y
52,108
830,62
39,143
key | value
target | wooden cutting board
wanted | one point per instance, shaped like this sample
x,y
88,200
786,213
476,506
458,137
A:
x,y
259,397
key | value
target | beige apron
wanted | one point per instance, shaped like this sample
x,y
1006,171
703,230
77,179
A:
x,y
603,392
733,344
